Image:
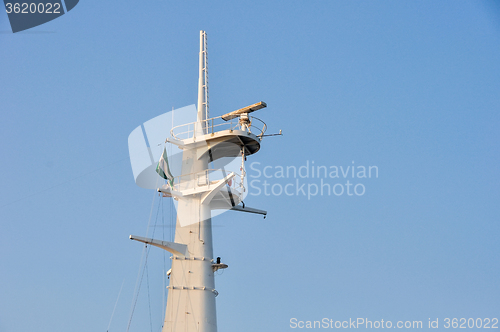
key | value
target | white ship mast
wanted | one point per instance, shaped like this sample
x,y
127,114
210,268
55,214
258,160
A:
x,y
191,292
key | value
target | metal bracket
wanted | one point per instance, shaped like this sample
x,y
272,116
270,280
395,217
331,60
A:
x,y
172,247
249,210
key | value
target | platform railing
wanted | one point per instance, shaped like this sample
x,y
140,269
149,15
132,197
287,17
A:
x,y
207,179
213,125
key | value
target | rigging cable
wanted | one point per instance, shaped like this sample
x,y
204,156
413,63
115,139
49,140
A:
x,y
144,258
164,260
149,298
138,287
112,314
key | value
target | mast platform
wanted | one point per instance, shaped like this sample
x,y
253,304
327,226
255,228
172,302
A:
x,y
219,135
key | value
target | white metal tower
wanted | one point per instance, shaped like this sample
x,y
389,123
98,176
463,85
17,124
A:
x,y
199,190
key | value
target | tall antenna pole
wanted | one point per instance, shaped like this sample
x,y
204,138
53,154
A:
x,y
203,81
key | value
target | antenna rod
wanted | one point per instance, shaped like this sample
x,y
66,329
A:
x,y
203,83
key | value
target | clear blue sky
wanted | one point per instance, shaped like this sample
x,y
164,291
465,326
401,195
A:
x,y
412,87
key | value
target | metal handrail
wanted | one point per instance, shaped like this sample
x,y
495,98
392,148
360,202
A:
x,y
213,125
201,179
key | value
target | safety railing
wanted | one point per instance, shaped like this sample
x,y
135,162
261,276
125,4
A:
x,y
207,179
191,130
